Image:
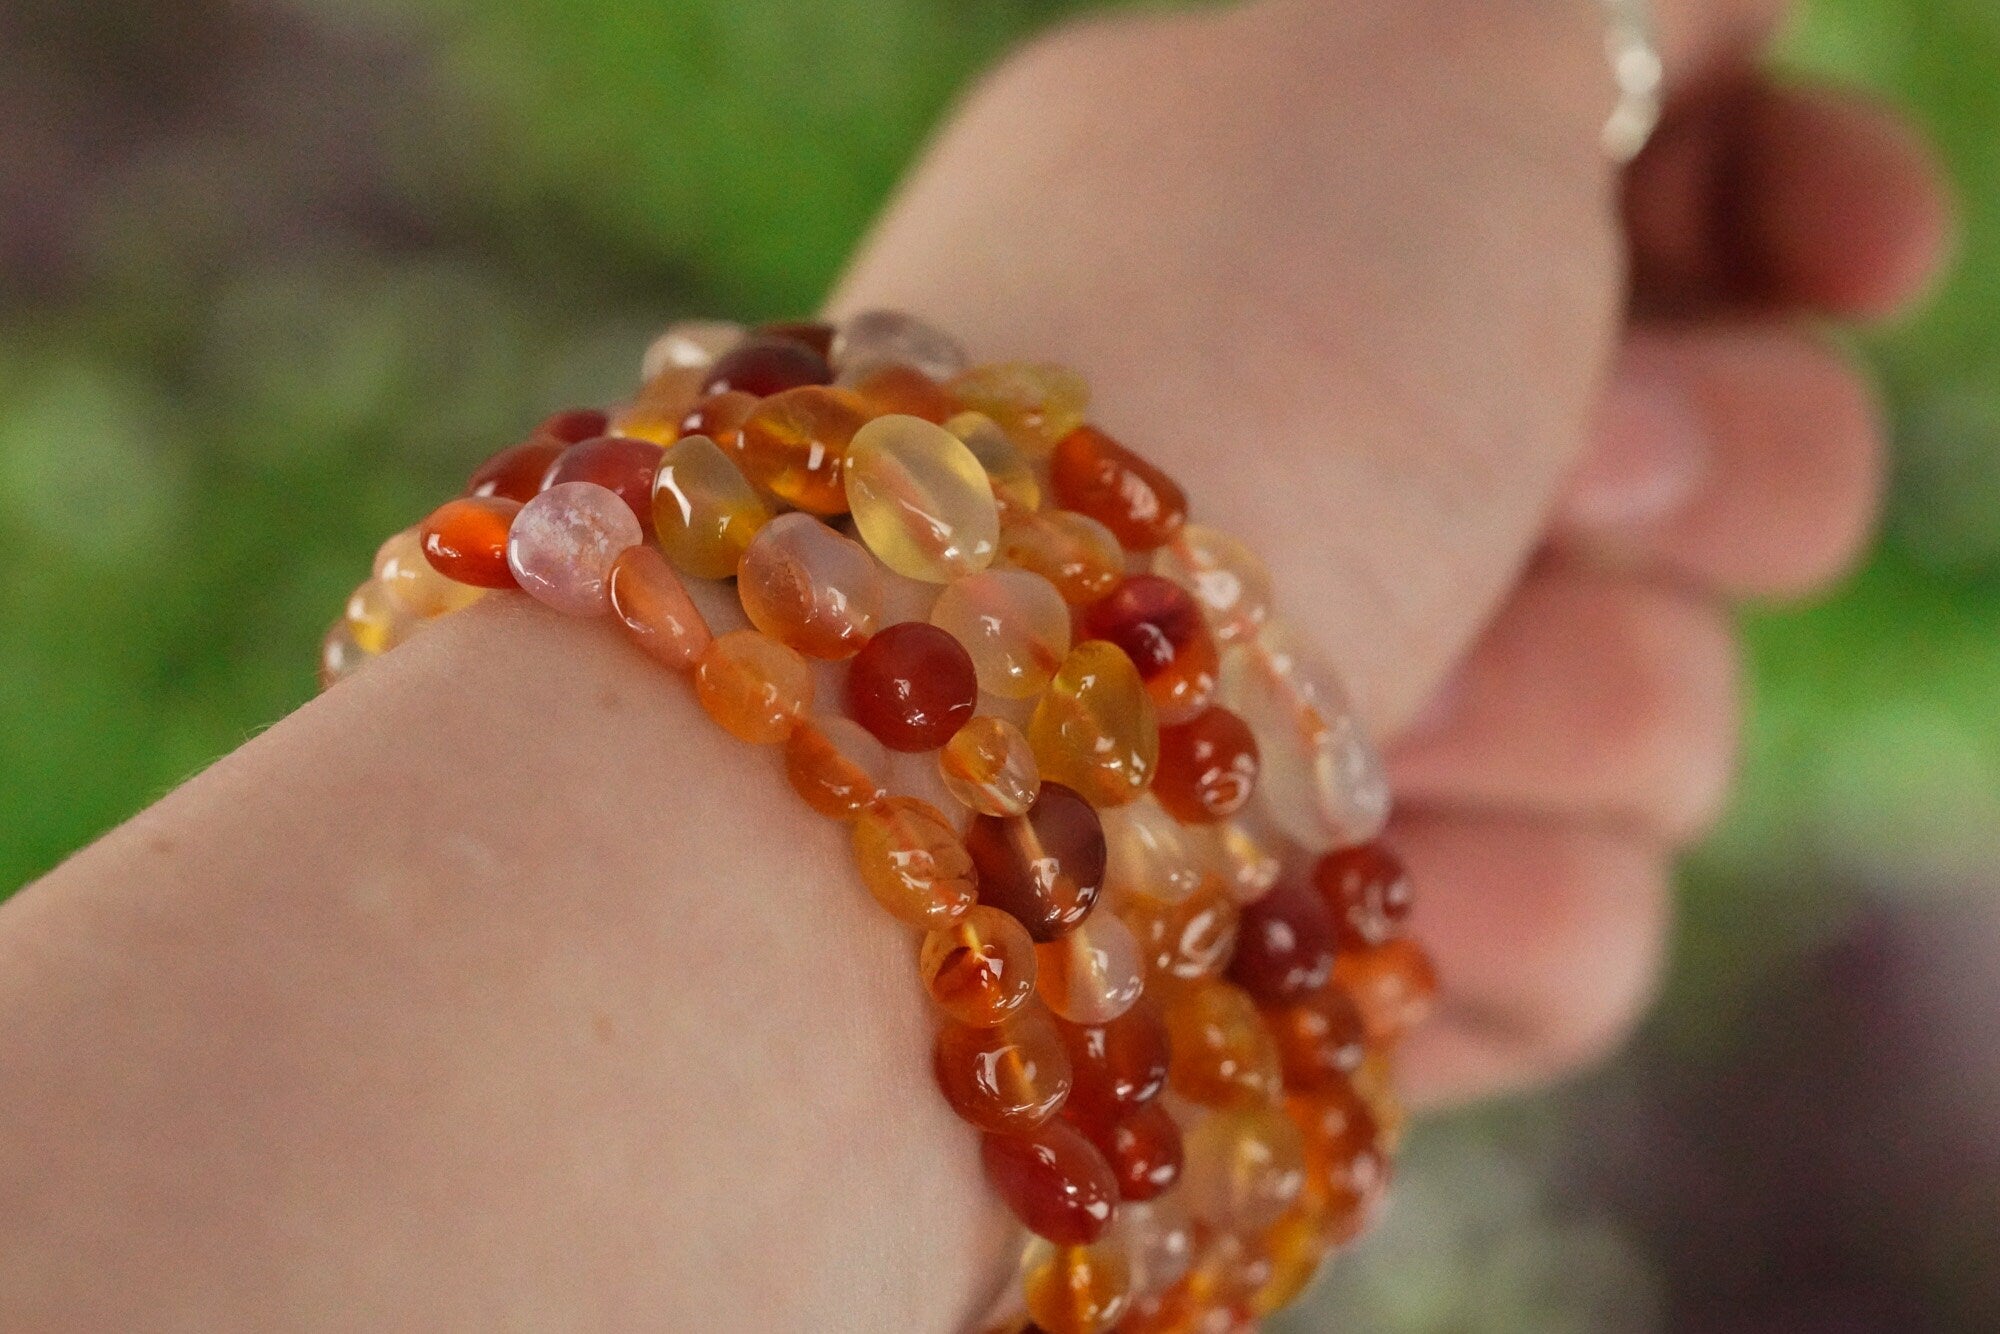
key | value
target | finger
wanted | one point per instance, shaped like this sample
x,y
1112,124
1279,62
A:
x,y
1747,460
1548,939
1699,37
1593,697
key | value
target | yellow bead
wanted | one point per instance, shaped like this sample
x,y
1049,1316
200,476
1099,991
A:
x,y
339,656
989,766
1076,553
1295,1247
1036,403
661,406
1094,729
704,510
377,619
794,445
920,500
1246,859
1228,581
1013,624
806,585
1150,853
1245,1167
913,862
1076,1289
1015,485
410,578
755,687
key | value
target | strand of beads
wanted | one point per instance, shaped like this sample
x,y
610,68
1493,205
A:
x,y
1132,818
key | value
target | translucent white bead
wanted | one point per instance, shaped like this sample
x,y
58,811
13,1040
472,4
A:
x,y
696,344
876,338
563,542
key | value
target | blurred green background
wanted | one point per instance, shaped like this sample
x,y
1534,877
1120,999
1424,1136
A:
x,y
272,273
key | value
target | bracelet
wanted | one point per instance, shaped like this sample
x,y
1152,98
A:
x,y
1164,942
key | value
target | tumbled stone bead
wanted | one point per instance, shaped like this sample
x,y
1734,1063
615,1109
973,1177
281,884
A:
x,y
1149,853
900,389
1013,624
376,620
1346,1170
1005,1078
516,473
652,604
1187,940
1095,728
872,338
1093,474
1375,1086
755,688
1015,485
835,766
1093,972
705,512
339,655
1077,554
913,862
1054,1180
1248,860
920,500
720,417
1144,1150
1368,891
1245,1167
1393,985
1157,624
767,366
1223,1054
411,580
1321,1039
806,585
691,344
1045,868
990,768
563,542
622,466
1228,580
913,686
1118,1066
795,446
1284,945
815,334
1208,766
1321,780
466,540
980,968
572,425
1214,1297
1037,403
1296,1249
658,411
1077,1289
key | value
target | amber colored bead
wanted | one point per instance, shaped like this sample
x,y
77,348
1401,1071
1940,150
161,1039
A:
x,y
980,968
658,411
767,366
906,390
1037,403
1346,1170
1158,1238
1014,626
1223,1054
806,585
913,686
695,344
794,445
1093,972
624,467
1077,554
1046,867
1208,767
815,334
652,604
1375,1086
1393,985
754,687
1247,859
1284,945
1161,630
1296,1248
836,766
412,581
1144,1149
1245,1167
516,473
1368,890
1150,853
920,500
913,862
1015,485
1095,727
1187,940
1321,1039
1006,1078
990,768
377,620
872,338
1093,474
1054,1180
563,542
466,540
1118,1066
1227,579
720,417
705,512
339,655
1077,1289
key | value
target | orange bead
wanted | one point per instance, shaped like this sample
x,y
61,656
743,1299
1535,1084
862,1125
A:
x,y
1077,554
808,586
794,445
1187,940
1208,767
1246,858
754,687
980,968
1077,1289
1368,890
1159,1240
1321,1039
652,604
1054,1180
466,540
1037,403
1095,728
516,473
1045,868
1346,1169
720,417
1095,475
836,766
1118,1066
1245,1168
1144,1149
989,766
661,406
912,861
1223,1054
705,512
1393,985
894,388
1296,1248
1007,1078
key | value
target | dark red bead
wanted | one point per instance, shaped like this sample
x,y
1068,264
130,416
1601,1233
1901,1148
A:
x,y
516,473
626,467
1284,945
1208,767
1093,474
766,366
1368,891
815,334
1055,1180
1115,1067
913,686
1046,867
1161,629
1144,1151
574,425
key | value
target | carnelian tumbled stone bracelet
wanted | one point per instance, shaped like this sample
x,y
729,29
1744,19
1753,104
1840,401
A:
x,y
1132,816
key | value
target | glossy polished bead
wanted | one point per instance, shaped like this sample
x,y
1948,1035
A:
x,y
980,968
1284,945
1228,581
1093,972
1393,985
1374,1085
1006,1078
516,473
1077,1289
755,688
1144,1150
920,500
990,768
1296,1248
1037,403
466,540
412,581
692,344
339,655
1321,780
1095,728
572,425
1162,631
1158,1238
835,766
767,366
563,542
1187,940
652,604
1045,868
1321,1039
1248,860
622,466
1014,625
1054,1180
1369,892
795,445
913,686
720,417
804,584
815,334
1015,485
1208,767
1245,1168
1150,853
1093,474
913,862
377,620
1077,554
1223,1054
1346,1170
705,512
872,338
657,411
900,389
1118,1066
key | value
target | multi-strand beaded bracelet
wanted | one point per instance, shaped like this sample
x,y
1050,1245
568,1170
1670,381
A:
x,y
1165,947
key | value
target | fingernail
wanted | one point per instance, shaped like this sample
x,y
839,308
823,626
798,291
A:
x,y
1647,455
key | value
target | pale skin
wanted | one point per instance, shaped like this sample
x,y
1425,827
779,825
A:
x,y
498,990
